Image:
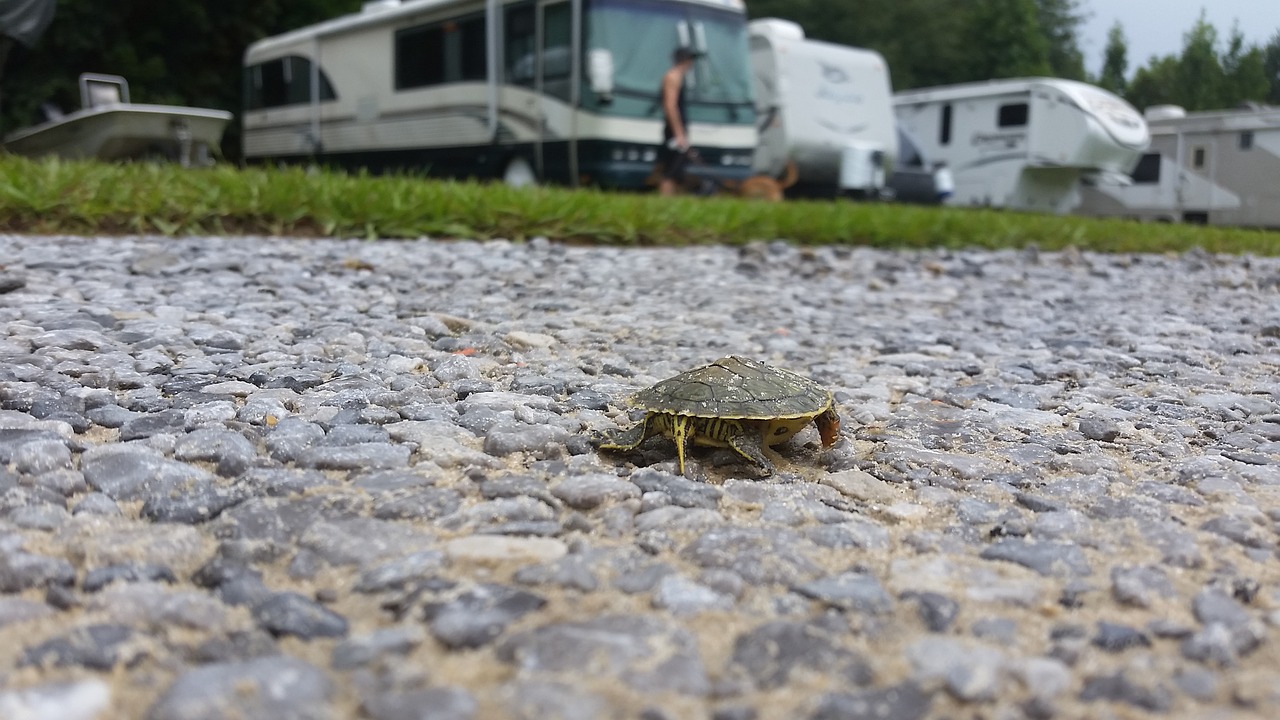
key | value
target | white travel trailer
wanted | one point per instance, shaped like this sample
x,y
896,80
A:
x,y
827,108
1218,167
559,91
1025,143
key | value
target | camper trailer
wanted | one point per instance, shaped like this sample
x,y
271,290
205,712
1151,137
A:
x,y
825,107
1218,167
1025,143
528,91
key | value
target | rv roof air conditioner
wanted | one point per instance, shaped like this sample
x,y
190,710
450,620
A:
x,y
777,29
1164,112
377,5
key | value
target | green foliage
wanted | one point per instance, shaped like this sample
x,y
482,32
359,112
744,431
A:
x,y
74,197
1060,22
1205,76
1271,67
1115,61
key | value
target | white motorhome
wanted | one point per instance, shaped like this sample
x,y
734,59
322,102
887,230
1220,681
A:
x,y
827,108
1218,167
559,91
1024,143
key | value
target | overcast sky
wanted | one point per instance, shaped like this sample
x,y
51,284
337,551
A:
x,y
1156,27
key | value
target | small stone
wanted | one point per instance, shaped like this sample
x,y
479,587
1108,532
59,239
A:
x,y
1118,638
683,596
905,701
1119,688
863,486
1140,586
850,591
770,653
480,615
1099,429
288,613
434,703
280,687
360,651
81,700
494,548
96,647
585,492
1047,558
936,610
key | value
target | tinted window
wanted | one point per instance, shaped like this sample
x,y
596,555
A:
x,y
1148,170
1197,157
281,82
1246,140
1012,115
944,136
419,57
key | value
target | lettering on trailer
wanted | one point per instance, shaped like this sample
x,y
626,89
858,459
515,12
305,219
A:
x,y
998,142
833,75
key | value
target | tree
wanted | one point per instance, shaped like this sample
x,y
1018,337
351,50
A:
x,y
1115,61
1007,40
1245,71
1060,22
1155,83
1271,67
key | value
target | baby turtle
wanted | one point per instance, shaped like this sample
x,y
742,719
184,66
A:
x,y
734,402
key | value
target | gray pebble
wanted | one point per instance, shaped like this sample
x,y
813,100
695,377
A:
x,y
288,613
278,686
478,616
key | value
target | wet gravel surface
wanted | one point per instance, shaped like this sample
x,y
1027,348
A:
x,y
265,478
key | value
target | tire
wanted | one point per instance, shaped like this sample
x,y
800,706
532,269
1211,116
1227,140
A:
x,y
519,173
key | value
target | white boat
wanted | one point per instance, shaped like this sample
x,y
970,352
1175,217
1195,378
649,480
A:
x,y
109,127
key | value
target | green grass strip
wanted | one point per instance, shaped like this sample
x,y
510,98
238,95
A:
x,y
60,197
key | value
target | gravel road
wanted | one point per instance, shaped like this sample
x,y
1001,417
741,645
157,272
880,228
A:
x,y
279,479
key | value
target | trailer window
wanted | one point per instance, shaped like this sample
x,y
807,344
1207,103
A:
x,y
557,53
1246,140
944,135
1147,171
1013,115
283,81
1197,157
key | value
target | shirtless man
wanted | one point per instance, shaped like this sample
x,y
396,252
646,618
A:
x,y
675,131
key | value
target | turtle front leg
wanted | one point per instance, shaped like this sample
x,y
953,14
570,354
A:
x,y
629,439
748,445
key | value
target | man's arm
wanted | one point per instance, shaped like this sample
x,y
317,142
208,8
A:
x,y
670,92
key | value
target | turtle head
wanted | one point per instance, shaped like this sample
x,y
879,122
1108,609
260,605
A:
x,y
828,426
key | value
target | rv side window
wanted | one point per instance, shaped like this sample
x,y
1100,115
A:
x,y
1246,140
1013,115
1197,157
1147,171
944,134
281,82
473,52
519,50
420,57
556,53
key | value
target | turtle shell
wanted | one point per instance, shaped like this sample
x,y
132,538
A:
x,y
736,387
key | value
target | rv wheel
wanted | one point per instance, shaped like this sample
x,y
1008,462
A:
x,y
519,173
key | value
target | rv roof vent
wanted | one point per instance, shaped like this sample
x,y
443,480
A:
x,y
1164,112
776,29
376,5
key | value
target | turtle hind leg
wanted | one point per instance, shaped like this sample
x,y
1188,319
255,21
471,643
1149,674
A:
x,y
681,434
748,446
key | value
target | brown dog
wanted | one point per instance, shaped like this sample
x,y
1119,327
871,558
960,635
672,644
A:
x,y
759,187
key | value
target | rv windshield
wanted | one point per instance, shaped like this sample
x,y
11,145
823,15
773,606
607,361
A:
x,y
642,34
